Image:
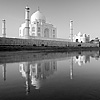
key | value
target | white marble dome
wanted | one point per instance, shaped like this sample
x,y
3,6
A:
x,y
38,16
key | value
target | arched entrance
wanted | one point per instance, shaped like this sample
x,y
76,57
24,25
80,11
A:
x,y
76,40
46,33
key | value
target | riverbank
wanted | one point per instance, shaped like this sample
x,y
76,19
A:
x,y
43,45
45,49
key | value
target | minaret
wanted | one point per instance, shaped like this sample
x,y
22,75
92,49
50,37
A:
x,y
27,28
3,28
71,30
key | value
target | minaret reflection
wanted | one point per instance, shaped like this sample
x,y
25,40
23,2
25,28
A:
x,y
4,71
71,68
24,68
36,72
27,78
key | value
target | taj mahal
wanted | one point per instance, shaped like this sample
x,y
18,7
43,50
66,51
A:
x,y
38,27
36,31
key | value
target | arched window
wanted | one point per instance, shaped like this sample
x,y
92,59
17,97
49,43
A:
x,y
33,34
53,36
76,40
53,33
46,33
39,29
33,29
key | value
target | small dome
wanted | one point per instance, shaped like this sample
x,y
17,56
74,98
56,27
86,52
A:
x,y
37,16
79,34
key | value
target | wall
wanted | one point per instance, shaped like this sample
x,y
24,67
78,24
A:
x,y
48,42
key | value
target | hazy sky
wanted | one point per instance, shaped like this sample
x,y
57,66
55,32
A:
x,y
84,13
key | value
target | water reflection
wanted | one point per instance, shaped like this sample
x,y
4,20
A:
x,y
4,71
71,68
37,67
34,73
82,59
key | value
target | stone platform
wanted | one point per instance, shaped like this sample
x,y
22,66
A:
x,y
16,43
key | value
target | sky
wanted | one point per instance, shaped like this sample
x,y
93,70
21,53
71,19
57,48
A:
x,y
84,13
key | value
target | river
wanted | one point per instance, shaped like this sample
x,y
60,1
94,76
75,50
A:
x,y
50,76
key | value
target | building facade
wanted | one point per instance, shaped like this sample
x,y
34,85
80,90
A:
x,y
83,38
39,27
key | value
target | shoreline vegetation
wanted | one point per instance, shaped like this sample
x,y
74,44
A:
x,y
44,48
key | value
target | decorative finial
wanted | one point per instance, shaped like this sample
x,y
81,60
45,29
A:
x,y
27,7
3,20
